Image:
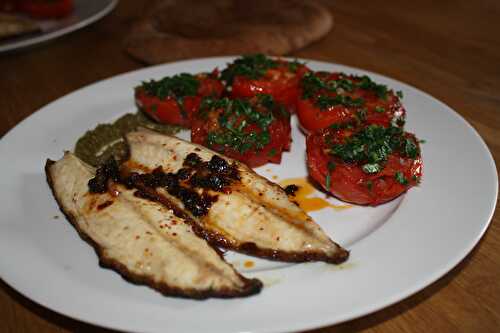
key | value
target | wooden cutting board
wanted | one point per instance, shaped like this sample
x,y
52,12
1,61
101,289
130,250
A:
x,y
173,29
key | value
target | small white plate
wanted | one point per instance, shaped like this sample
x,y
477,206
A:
x,y
85,13
396,249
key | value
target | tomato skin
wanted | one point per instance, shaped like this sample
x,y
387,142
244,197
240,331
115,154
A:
x,y
46,9
312,118
279,82
209,85
348,182
280,139
168,110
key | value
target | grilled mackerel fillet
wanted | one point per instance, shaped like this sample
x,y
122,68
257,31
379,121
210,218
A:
x,y
255,216
141,239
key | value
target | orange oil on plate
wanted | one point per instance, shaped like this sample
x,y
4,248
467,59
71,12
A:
x,y
303,196
248,264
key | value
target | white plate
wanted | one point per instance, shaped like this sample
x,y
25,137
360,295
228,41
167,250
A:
x,y
85,13
396,249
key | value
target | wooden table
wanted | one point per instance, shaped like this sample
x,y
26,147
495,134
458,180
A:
x,y
450,49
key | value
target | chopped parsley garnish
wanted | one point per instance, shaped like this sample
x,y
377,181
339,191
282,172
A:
x,y
379,109
337,126
400,178
328,180
398,121
372,145
177,86
294,65
312,84
367,84
272,152
239,140
410,148
266,101
252,66
399,93
234,118
361,115
324,102
371,167
331,166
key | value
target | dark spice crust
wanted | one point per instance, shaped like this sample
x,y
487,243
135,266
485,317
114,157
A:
x,y
251,287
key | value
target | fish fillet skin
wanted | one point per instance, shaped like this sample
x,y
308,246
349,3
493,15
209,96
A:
x,y
256,217
141,239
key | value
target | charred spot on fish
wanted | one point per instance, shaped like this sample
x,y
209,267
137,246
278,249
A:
x,y
170,181
192,160
218,164
149,180
130,180
248,247
197,204
291,189
104,205
108,170
213,182
184,173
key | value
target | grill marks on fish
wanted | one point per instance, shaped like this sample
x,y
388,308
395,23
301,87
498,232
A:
x,y
254,216
147,242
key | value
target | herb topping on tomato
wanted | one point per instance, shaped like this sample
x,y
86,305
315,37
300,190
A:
x,y
173,100
256,74
254,131
369,165
337,98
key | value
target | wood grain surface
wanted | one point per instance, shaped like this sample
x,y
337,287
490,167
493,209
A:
x,y
450,49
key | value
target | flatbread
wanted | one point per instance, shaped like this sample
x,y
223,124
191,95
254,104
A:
x,y
171,29
11,25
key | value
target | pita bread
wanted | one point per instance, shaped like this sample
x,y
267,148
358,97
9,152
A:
x,y
172,29
11,25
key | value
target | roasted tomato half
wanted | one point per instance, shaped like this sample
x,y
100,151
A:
x,y
256,74
367,166
254,131
173,100
336,98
